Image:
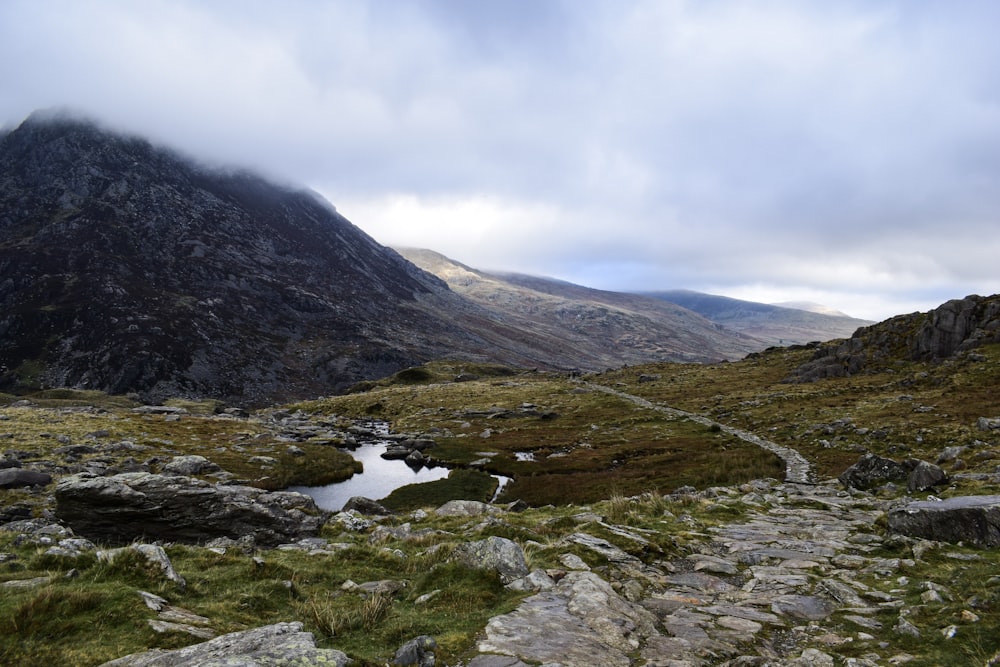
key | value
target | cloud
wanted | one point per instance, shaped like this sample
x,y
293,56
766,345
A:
x,y
785,147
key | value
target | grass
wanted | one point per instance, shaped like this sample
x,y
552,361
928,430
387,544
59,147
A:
x,y
584,444
592,453
461,484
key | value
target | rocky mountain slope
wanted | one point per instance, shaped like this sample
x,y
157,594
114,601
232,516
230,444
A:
x,y
774,324
960,325
610,327
125,267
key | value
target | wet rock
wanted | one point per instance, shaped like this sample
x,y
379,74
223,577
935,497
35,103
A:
x,y
971,519
278,645
133,506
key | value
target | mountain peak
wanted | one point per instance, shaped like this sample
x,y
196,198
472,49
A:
x,y
130,268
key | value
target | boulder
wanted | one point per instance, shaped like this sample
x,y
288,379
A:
x,y
278,645
466,508
494,553
872,470
925,476
143,506
365,506
15,478
974,520
190,465
418,652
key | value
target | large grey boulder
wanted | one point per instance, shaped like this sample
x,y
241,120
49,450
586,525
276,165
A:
x,y
873,470
925,476
143,506
974,520
499,554
278,645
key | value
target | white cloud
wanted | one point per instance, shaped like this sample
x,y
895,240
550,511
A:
x,y
825,148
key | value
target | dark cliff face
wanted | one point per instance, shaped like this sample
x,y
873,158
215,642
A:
x,y
124,267
956,326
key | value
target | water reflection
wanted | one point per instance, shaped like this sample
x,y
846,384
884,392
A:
x,y
380,478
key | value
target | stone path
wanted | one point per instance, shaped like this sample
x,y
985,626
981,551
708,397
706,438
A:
x,y
797,468
784,588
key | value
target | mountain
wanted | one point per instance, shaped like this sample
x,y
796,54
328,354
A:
x,y
126,267
609,328
773,323
129,268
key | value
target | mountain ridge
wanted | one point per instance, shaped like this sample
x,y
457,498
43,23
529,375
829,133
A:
x,y
773,323
615,326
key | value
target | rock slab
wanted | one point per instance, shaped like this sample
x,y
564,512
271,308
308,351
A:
x,y
582,621
971,519
278,645
142,506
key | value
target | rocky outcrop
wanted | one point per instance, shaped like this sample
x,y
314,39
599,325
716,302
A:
x,y
872,470
278,645
134,506
955,326
973,520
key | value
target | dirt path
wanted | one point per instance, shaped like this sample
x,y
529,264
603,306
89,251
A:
x,y
797,469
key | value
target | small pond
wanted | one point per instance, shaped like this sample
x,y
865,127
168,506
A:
x,y
380,478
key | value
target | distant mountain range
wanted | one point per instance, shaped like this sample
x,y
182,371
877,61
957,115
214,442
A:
x,y
610,328
126,267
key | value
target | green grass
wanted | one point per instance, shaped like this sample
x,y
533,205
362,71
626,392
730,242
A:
x,y
592,452
461,484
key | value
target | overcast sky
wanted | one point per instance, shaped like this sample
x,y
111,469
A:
x,y
841,152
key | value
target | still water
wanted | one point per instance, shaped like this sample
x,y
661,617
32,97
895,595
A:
x,y
380,478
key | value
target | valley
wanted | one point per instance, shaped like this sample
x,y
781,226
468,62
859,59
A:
x,y
685,483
